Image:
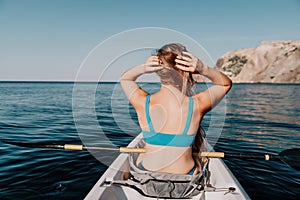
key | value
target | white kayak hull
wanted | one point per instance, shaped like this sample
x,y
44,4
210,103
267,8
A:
x,y
221,178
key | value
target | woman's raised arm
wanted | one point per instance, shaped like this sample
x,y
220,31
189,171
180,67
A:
x,y
213,95
132,90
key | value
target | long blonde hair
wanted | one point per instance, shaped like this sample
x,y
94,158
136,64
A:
x,y
171,75
182,80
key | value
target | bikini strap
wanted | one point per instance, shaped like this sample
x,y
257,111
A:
x,y
148,114
188,120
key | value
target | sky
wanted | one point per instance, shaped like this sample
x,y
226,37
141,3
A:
x,y
51,40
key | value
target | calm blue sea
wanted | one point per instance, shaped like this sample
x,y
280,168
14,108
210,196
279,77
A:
x,y
259,118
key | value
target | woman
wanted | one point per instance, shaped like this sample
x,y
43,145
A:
x,y
171,117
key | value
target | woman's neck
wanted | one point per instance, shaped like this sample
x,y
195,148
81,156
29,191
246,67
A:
x,y
171,90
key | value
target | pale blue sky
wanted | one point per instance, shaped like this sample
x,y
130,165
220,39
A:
x,y
48,40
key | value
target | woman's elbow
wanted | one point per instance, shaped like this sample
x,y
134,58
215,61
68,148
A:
x,y
123,76
228,86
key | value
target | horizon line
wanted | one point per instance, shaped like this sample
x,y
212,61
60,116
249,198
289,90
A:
x,y
107,82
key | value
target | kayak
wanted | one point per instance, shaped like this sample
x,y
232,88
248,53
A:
x,y
223,184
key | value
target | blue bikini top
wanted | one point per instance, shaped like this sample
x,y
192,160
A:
x,y
164,139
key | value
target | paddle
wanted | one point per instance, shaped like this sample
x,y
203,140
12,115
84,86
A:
x,y
78,147
289,156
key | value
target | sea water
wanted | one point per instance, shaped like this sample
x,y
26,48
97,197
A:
x,y
253,118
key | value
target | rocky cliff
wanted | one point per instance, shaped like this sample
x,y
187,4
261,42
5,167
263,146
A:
x,y
270,62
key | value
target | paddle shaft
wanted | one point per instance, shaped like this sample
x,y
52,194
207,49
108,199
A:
x,y
239,156
80,147
289,156
121,149
77,147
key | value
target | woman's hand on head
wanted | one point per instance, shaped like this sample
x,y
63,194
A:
x,y
153,64
189,63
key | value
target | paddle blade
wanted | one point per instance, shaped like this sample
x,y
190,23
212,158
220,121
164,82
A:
x,y
291,157
34,145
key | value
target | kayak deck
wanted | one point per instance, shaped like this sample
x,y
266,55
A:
x,y
221,179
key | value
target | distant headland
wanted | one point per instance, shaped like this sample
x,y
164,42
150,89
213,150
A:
x,y
270,62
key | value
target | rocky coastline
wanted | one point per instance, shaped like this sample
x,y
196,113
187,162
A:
x,y
270,62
